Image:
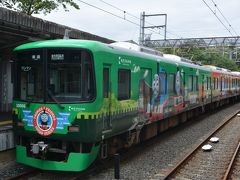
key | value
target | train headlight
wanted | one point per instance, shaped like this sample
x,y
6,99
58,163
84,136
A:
x,y
20,123
73,129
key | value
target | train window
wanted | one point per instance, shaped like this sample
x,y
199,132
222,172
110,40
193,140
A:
x,y
146,75
29,76
183,83
190,83
196,83
225,83
105,82
163,87
70,76
221,83
124,80
204,82
229,83
214,83
208,83
171,83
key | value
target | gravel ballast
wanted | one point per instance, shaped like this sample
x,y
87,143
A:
x,y
168,148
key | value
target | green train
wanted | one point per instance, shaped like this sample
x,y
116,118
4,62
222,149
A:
x,y
79,100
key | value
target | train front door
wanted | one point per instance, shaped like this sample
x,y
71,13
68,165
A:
x,y
107,120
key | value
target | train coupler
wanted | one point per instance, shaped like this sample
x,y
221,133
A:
x,y
39,147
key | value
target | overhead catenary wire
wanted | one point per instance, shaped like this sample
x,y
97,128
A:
x,y
215,4
119,9
123,18
125,12
113,14
217,17
108,12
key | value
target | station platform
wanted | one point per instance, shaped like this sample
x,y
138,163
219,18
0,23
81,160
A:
x,y
6,132
5,118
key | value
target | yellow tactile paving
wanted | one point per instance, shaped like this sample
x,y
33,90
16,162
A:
x,y
5,122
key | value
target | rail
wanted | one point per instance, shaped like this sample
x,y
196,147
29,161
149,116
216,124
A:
x,y
231,164
197,147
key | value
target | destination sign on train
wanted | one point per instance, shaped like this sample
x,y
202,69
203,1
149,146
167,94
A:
x,y
57,57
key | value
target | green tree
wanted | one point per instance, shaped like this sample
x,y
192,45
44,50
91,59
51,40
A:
x,y
30,7
205,56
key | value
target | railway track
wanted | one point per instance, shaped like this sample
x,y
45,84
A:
x,y
26,174
213,164
233,171
104,170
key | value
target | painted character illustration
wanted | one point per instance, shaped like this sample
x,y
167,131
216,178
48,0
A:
x,y
156,94
44,121
178,83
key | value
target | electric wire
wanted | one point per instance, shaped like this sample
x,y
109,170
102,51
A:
x,y
123,18
217,17
215,4
113,14
108,12
125,12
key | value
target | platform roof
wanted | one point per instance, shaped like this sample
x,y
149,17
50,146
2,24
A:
x,y
17,28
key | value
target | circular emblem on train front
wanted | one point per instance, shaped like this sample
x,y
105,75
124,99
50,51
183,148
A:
x,y
44,121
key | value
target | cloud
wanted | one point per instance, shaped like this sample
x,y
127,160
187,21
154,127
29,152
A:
x,y
189,18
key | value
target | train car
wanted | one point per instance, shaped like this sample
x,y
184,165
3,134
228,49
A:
x,y
76,100
236,82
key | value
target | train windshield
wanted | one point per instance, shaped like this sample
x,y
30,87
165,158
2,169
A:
x,y
29,76
70,76
54,76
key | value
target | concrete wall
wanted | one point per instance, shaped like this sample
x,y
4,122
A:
x,y
6,87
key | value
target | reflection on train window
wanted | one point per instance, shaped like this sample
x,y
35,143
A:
x,y
190,83
123,84
31,83
70,76
214,83
28,76
196,83
163,87
105,82
65,81
171,83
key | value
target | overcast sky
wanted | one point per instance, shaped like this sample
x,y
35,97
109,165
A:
x,y
186,18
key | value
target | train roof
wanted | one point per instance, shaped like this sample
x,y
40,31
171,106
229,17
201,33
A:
x,y
122,47
154,55
61,43
135,47
119,47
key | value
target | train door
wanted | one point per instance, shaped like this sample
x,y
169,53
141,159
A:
x,y
107,122
163,87
203,88
145,91
24,85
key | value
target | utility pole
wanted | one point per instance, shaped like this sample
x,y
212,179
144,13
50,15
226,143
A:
x,y
143,27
